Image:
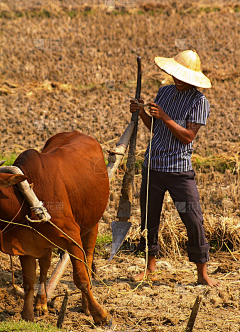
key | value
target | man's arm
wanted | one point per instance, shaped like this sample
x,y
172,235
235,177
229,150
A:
x,y
147,120
185,135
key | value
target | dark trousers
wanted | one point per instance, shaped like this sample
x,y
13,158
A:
x,y
183,190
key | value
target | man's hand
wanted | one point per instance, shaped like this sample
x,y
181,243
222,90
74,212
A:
x,y
143,115
156,111
134,106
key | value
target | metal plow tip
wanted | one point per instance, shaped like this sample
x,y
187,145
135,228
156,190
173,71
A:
x,y
119,232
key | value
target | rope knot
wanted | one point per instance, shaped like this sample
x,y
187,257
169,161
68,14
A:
x,y
41,212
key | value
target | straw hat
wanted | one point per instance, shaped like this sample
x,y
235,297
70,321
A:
x,y
186,67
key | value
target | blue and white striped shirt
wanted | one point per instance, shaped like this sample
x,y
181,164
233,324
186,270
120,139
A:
x,y
168,153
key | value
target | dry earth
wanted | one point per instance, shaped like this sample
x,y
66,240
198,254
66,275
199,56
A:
x,y
163,305
66,66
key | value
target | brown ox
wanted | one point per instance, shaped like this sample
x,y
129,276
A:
x,y
70,177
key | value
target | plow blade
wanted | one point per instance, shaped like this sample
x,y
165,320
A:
x,y
119,232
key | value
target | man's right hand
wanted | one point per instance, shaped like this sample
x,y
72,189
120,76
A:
x,y
134,106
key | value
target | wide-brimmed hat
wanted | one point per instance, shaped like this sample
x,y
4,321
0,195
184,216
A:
x,y
186,67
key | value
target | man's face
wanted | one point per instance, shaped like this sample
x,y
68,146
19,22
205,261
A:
x,y
180,85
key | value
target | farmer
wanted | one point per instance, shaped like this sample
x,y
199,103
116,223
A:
x,y
179,111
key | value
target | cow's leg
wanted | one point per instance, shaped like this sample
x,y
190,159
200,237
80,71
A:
x,y
29,279
41,298
88,242
81,280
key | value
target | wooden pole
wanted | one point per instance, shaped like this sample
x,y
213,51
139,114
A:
x,y
116,155
13,279
57,274
193,315
62,311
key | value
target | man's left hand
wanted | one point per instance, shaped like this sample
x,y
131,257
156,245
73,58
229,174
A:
x,y
156,111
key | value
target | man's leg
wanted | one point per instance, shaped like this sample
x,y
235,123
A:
x,y
183,190
155,200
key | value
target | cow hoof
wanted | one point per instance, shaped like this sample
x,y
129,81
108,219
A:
x,y
103,320
28,317
41,310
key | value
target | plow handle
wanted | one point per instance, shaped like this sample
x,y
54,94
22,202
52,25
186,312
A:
x,y
139,77
124,209
138,90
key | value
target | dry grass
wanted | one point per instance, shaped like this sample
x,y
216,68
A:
x,y
221,232
221,210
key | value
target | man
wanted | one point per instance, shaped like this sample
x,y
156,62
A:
x,y
179,111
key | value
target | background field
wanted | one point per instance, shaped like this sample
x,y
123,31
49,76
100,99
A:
x,y
68,65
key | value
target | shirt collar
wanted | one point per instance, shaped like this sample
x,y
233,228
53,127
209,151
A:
x,y
193,89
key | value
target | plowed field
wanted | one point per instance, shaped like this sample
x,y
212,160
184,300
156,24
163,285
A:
x,y
67,65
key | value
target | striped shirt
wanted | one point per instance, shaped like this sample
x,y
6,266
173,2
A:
x,y
168,153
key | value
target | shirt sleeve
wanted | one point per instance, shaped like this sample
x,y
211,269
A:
x,y
199,112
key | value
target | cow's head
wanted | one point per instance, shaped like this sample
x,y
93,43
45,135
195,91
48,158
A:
x,y
7,180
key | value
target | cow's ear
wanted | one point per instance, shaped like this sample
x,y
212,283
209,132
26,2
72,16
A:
x,y
7,180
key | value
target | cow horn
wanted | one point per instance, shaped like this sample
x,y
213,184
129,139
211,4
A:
x,y
2,162
11,170
27,192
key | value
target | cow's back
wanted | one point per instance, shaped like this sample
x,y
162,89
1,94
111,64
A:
x,y
71,175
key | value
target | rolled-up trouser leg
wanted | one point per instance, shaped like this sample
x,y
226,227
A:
x,y
155,200
183,190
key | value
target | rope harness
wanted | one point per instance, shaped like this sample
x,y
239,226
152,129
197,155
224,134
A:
x,y
145,231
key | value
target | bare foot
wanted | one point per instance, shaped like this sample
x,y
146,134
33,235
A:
x,y
140,276
207,281
203,278
151,267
